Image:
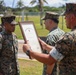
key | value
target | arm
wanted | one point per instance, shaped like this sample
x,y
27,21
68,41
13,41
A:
x,y
44,58
53,56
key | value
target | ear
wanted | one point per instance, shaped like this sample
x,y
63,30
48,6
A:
x,y
50,21
5,24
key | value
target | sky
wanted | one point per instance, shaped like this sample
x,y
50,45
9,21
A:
x,y
54,3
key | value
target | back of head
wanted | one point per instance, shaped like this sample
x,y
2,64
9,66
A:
x,y
52,15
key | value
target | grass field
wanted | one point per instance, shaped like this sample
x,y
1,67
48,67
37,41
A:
x,y
28,67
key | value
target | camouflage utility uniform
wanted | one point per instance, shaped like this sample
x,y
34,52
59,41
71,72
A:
x,y
52,38
67,47
8,54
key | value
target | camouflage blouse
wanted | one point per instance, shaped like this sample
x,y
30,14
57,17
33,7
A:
x,y
8,54
67,47
52,38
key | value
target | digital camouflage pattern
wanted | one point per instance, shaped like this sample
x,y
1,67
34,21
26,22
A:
x,y
52,38
7,60
67,47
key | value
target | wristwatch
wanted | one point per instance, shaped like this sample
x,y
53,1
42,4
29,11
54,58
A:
x,y
28,53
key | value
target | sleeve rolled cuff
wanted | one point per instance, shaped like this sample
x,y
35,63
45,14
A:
x,y
56,55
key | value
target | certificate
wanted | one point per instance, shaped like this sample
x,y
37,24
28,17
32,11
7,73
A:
x,y
29,34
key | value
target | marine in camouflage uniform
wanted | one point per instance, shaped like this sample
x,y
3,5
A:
x,y
66,46
53,36
8,50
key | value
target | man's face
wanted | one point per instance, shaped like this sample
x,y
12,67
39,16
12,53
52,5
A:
x,y
47,23
10,27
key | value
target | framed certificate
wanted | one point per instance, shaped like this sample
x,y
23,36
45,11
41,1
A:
x,y
29,33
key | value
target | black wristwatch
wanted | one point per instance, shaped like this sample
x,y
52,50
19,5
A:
x,y
28,53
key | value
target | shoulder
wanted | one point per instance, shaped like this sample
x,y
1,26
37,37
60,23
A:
x,y
69,36
65,43
65,38
1,34
59,30
56,33
14,35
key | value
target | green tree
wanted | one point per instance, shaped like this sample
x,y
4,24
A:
x,y
2,5
20,4
40,4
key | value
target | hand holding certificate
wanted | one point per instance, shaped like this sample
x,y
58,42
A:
x,y
29,34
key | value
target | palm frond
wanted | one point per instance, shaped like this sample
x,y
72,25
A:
x,y
33,2
45,1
